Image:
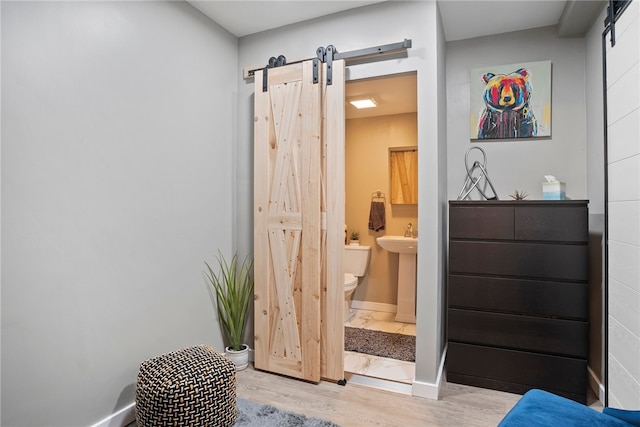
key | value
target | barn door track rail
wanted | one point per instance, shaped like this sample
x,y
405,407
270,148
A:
x,y
328,55
614,10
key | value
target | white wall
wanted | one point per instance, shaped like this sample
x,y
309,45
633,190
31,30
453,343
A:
x,y
522,165
117,135
623,131
373,25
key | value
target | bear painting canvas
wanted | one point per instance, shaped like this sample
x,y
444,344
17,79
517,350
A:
x,y
511,101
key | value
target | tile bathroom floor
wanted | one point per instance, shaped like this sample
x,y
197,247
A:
x,y
375,371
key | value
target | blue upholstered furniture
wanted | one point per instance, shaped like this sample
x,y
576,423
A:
x,y
539,408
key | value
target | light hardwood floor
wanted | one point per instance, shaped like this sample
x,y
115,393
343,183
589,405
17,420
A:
x,y
354,405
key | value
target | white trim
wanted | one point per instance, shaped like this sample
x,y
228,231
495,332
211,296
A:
x,y
373,306
378,383
430,390
596,385
123,417
406,318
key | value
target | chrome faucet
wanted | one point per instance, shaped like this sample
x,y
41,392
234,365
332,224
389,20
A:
x,y
409,231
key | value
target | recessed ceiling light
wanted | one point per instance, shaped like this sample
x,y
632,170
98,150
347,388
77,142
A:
x,y
363,103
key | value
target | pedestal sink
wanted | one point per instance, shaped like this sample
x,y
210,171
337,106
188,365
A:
x,y
407,249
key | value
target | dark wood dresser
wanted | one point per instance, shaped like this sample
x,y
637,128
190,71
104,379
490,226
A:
x,y
518,296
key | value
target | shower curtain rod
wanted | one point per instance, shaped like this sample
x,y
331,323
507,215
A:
x,y
330,53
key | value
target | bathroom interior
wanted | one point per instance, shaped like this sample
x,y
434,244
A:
x,y
375,137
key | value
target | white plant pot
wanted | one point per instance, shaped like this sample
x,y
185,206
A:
x,y
354,242
240,358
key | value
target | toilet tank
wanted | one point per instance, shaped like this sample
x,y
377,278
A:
x,y
356,259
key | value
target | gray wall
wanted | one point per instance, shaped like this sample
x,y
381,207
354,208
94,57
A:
x,y
443,197
127,154
522,164
381,23
595,191
595,117
574,151
117,171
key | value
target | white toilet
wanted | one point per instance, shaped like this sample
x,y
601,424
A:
x,y
356,261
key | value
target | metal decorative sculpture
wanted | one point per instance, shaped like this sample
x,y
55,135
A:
x,y
475,174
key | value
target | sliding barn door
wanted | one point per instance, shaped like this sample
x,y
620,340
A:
x,y
287,222
623,207
333,170
297,259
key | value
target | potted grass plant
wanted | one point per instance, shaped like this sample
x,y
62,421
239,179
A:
x,y
232,287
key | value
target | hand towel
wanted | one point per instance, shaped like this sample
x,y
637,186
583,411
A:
x,y
376,216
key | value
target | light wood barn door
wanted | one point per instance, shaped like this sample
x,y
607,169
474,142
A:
x,y
333,238
299,222
287,222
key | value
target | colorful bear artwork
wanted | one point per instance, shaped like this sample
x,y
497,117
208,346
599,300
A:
x,y
510,107
507,113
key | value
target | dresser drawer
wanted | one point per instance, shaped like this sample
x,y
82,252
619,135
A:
x,y
487,222
557,224
537,334
534,297
516,371
550,261
518,295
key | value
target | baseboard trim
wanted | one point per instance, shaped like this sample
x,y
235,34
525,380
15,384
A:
x,y
374,306
122,418
596,385
378,383
430,390
406,318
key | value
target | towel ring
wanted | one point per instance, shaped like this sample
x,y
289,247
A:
x,y
377,195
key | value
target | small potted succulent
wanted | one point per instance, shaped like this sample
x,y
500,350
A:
x,y
355,238
519,195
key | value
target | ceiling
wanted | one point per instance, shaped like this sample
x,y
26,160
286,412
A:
x,y
394,95
242,18
467,19
461,19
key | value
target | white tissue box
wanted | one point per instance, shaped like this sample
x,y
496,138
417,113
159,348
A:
x,y
553,190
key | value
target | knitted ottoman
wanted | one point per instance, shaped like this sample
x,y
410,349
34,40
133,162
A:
x,y
195,386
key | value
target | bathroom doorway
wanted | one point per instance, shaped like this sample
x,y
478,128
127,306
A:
x,y
370,134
